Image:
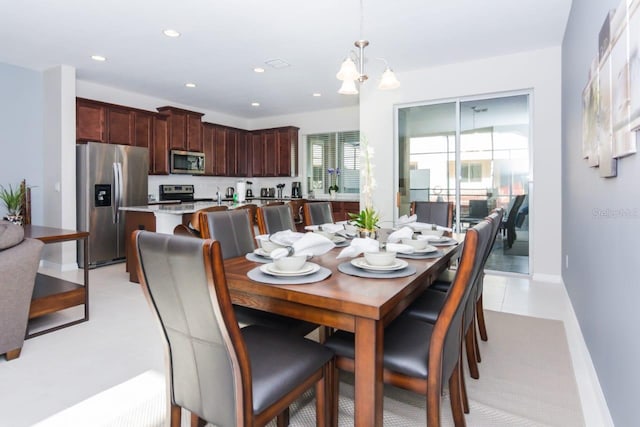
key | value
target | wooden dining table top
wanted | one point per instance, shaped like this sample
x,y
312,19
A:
x,y
374,298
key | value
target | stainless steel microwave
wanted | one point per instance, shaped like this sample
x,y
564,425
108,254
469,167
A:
x,y
187,162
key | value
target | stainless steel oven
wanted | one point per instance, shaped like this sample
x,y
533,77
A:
x,y
187,162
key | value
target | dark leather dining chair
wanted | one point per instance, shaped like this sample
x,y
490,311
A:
x,y
193,227
222,374
428,306
233,231
418,355
439,213
272,219
318,213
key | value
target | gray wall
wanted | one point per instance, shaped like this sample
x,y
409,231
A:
x,y
21,134
600,230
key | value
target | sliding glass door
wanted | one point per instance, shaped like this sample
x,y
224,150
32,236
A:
x,y
475,154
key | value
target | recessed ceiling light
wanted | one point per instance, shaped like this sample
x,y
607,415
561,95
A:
x,y
171,33
190,84
255,104
258,70
98,58
317,94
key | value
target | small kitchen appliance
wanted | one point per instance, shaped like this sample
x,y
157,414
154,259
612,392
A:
x,y
249,191
230,192
296,190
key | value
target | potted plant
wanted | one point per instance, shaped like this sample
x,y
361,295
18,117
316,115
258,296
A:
x,y
366,221
12,199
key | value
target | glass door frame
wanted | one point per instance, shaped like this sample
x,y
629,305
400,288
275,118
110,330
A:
x,y
459,100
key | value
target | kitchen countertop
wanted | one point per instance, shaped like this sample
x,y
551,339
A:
x,y
187,208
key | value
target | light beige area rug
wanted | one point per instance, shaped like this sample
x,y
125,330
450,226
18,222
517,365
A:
x,y
526,379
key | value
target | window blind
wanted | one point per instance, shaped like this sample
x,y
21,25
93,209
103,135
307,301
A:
x,y
335,150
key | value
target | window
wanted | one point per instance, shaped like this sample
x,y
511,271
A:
x,y
471,172
335,150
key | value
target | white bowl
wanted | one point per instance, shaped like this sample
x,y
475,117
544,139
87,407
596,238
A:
x,y
437,233
290,263
268,246
416,244
380,259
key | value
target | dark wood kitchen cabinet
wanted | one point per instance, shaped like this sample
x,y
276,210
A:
x,y
185,128
143,129
220,157
256,148
270,152
91,121
121,125
209,148
287,149
159,150
236,153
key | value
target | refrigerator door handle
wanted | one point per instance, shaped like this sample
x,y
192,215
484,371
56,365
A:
x,y
116,194
120,194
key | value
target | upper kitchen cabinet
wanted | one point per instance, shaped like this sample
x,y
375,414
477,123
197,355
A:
x,y
121,125
143,135
236,153
220,151
185,128
256,147
91,120
159,150
287,151
209,148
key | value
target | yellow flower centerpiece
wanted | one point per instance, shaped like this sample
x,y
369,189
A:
x,y
367,220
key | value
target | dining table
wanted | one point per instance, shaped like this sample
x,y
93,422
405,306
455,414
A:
x,y
363,306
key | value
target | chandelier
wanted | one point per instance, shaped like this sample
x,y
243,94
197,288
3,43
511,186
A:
x,y
349,73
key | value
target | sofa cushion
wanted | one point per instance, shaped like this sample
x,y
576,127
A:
x,y
10,235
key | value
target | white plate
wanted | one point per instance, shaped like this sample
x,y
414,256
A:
x,y
307,268
261,252
338,239
444,241
429,249
426,250
361,262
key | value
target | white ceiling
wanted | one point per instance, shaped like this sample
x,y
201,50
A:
x,y
222,41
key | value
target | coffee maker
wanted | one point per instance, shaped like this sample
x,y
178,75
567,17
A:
x,y
296,190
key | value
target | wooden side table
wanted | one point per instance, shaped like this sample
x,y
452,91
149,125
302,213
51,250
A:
x,y
52,294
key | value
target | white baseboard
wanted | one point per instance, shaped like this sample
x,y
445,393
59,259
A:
x,y
594,405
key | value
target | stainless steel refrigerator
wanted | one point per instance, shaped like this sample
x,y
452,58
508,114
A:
x,y
108,177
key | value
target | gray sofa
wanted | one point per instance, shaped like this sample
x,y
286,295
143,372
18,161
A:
x,y
19,260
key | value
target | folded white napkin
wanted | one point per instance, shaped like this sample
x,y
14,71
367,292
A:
x,y
286,237
359,246
397,236
309,244
400,248
404,219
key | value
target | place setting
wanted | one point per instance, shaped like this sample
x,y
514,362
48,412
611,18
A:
x,y
289,264
376,263
408,245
